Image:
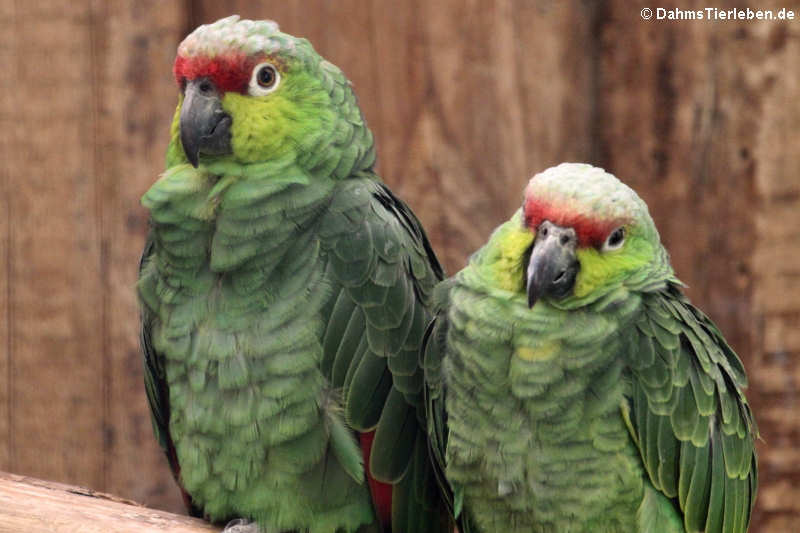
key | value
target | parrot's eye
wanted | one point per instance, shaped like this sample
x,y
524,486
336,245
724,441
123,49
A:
x,y
264,80
615,240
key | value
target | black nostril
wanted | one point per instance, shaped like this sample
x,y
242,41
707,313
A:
x,y
564,239
560,276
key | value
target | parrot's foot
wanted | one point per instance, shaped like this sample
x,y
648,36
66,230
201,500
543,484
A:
x,y
241,525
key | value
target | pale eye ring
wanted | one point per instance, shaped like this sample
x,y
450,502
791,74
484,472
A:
x,y
615,240
264,80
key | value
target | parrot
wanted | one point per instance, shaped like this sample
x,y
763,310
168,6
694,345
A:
x,y
284,294
572,387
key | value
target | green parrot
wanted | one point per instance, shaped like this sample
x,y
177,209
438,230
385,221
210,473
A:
x,y
572,387
284,295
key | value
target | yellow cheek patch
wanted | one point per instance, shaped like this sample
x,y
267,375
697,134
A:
x,y
175,154
175,127
594,272
508,267
599,269
259,127
542,352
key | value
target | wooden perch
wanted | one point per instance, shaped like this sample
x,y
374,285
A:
x,y
32,506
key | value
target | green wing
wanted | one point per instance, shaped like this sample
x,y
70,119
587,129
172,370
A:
x,y
386,271
433,353
154,382
689,416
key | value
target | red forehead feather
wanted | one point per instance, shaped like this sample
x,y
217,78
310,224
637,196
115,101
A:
x,y
229,72
591,232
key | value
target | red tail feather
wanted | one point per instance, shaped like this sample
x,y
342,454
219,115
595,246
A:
x,y
381,492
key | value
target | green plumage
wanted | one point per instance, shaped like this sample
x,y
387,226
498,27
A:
x,y
615,408
284,296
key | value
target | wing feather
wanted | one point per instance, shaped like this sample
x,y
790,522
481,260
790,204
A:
x,y
689,416
386,269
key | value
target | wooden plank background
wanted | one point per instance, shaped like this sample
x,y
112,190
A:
x,y
467,100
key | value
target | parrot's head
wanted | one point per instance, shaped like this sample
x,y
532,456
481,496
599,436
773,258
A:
x,y
252,94
581,234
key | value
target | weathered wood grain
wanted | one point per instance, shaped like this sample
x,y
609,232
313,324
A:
x,y
470,111
35,506
7,222
56,361
775,365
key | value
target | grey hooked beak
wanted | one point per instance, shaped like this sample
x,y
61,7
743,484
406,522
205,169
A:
x,y
553,264
205,127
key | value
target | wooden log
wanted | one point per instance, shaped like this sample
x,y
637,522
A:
x,y
32,505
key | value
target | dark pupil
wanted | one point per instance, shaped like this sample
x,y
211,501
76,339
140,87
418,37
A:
x,y
616,237
266,77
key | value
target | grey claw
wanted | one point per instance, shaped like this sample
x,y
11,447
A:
x,y
241,525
